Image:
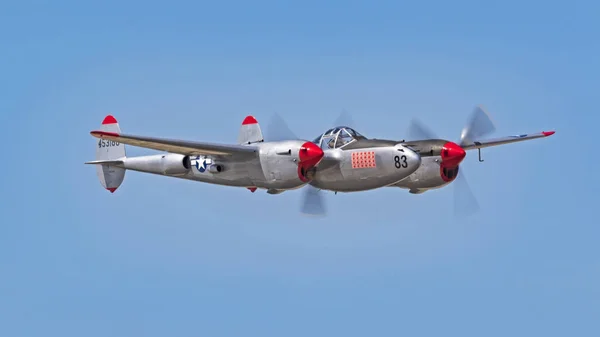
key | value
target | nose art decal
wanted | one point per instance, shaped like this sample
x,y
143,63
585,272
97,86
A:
x,y
363,160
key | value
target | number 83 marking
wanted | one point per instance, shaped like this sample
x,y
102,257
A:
x,y
400,161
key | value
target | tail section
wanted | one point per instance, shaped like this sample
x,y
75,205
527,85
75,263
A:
x,y
250,131
108,154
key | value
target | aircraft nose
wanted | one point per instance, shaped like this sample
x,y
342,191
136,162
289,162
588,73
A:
x,y
414,159
453,153
310,154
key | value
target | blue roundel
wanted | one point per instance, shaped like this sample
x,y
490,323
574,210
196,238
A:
x,y
201,167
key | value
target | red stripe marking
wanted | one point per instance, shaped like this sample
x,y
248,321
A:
x,y
111,189
547,133
249,120
102,134
109,120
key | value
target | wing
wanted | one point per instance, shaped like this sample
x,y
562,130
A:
x,y
178,146
505,140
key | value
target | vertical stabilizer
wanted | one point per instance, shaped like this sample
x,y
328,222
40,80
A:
x,y
109,175
250,131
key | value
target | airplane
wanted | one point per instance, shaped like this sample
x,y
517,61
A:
x,y
339,160
253,163
439,161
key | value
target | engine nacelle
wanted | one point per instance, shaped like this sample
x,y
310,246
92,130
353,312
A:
x,y
215,168
175,164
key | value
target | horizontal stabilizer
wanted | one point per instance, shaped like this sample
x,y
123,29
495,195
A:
x,y
107,162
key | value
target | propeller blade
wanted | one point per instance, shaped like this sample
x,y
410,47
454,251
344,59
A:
x,y
312,202
278,130
344,119
418,131
480,124
465,203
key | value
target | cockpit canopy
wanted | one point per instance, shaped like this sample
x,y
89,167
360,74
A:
x,y
337,137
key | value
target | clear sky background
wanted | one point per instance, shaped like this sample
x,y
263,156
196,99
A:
x,y
165,257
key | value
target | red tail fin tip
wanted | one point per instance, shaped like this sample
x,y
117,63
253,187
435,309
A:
x,y
249,120
109,120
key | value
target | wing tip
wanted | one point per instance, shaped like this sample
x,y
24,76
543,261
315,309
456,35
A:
x,y
109,119
548,133
249,120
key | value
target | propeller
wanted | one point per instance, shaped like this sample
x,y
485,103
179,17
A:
x,y
344,119
312,199
465,203
478,125
418,131
278,130
312,202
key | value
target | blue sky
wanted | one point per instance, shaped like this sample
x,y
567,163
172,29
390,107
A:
x,y
163,256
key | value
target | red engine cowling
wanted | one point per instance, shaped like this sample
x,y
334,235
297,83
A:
x,y
309,155
452,154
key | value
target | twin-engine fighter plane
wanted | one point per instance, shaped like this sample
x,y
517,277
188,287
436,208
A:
x,y
253,163
439,159
339,160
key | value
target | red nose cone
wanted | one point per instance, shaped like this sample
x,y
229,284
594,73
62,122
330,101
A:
x,y
452,152
310,154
